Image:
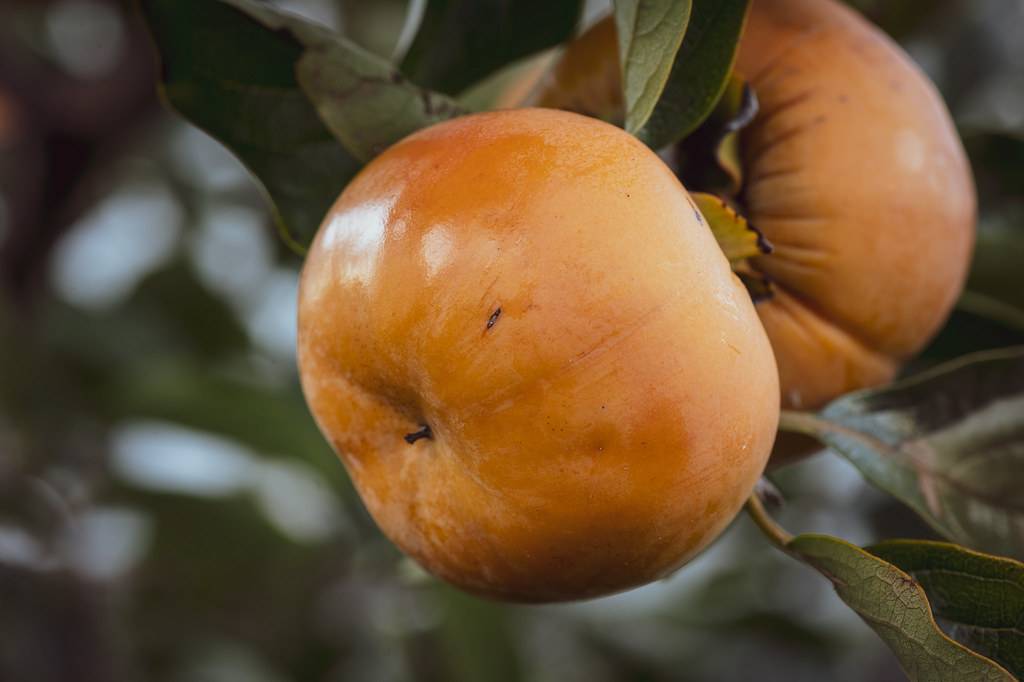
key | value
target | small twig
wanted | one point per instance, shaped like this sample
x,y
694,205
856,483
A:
x,y
779,536
807,423
766,491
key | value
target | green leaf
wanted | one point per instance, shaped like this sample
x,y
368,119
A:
x,y
365,102
650,34
977,323
739,241
990,311
949,443
267,417
895,606
996,268
699,74
991,308
737,238
978,597
461,41
234,76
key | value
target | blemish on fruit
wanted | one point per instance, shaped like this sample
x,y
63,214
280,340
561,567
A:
x,y
493,319
696,211
423,432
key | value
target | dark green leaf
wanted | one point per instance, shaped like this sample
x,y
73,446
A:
x,y
978,597
973,326
650,34
700,72
269,418
477,637
990,312
996,270
233,76
949,443
1008,316
366,102
997,159
896,608
462,41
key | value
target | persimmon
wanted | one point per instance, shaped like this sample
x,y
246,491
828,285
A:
x,y
528,350
853,171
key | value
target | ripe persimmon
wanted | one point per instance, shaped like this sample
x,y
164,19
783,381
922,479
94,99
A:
x,y
852,169
524,343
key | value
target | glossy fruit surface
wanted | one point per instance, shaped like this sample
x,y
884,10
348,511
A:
x,y
531,299
854,172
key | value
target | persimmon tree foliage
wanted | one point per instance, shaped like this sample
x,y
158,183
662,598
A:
x,y
305,109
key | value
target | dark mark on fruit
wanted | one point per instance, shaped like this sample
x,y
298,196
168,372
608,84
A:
x,y
492,320
696,211
424,432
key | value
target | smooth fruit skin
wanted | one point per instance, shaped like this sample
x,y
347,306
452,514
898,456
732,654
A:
x,y
854,172
536,287
584,79
857,176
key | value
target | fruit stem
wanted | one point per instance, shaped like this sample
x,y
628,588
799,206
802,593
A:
x,y
423,432
807,423
778,535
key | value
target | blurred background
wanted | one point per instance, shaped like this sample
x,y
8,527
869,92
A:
x,y
168,510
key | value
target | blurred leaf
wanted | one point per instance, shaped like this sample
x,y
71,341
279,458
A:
x,y
266,417
477,637
376,25
462,41
172,302
217,569
996,270
990,312
496,90
699,74
650,34
980,598
365,102
949,443
737,238
982,305
896,608
997,159
969,331
234,76
169,314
